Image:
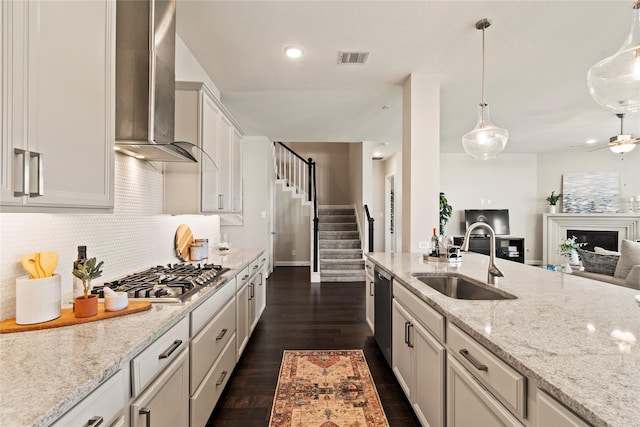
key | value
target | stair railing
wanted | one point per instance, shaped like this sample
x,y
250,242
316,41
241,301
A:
x,y
370,221
301,175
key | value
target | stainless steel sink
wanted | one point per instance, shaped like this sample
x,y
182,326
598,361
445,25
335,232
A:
x,y
455,286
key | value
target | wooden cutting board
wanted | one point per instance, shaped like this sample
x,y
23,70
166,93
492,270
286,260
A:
x,y
67,318
184,240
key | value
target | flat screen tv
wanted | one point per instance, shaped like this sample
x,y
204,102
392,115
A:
x,y
498,219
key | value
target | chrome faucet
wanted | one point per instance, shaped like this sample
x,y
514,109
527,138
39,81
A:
x,y
493,270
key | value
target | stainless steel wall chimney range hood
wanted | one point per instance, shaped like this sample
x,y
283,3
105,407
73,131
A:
x,y
145,81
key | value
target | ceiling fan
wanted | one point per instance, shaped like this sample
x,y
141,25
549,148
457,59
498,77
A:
x,y
621,143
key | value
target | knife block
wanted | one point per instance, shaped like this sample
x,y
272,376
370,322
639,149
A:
x,y
38,300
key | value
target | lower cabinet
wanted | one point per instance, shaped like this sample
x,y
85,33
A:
x,y
470,404
165,403
550,412
369,296
242,318
418,361
104,406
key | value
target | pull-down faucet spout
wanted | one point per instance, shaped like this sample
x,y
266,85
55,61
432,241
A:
x,y
493,270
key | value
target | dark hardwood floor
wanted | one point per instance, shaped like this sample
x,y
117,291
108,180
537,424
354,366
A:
x,y
304,316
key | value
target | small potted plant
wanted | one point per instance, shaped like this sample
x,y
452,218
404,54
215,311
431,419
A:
x,y
87,305
445,212
568,248
553,199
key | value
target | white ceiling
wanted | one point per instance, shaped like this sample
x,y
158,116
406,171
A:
x,y
537,57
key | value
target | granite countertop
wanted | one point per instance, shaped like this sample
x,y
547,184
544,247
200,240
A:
x,y
45,373
557,332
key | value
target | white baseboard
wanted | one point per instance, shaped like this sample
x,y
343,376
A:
x,y
292,263
315,277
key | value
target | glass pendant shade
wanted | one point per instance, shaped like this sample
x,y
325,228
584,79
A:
x,y
614,82
486,140
622,148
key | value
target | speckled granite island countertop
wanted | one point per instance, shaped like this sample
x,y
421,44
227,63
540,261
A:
x,y
557,332
45,373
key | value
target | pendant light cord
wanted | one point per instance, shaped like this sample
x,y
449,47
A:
x,y
482,101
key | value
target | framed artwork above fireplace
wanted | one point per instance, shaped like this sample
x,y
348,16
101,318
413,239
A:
x,y
593,192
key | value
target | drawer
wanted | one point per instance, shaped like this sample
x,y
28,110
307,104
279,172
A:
x,y
201,315
148,364
208,344
242,278
430,318
507,384
253,266
262,260
104,405
206,396
368,267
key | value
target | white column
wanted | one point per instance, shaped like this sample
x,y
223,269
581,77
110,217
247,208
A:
x,y
420,159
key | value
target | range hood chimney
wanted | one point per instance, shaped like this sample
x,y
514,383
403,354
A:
x,y
145,80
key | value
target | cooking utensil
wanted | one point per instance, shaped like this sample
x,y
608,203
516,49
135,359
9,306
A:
x,y
29,263
48,262
38,266
184,240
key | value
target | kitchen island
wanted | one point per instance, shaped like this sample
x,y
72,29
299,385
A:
x,y
45,373
558,332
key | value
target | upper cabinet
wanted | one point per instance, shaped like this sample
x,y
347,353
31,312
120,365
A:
x,y
214,184
58,103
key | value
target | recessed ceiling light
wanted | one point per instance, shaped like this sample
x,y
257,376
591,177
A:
x,y
591,141
293,52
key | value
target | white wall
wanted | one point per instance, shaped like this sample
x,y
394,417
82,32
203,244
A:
x,y
377,205
188,68
356,180
293,229
134,237
506,182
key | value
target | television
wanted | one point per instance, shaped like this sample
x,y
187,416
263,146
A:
x,y
498,219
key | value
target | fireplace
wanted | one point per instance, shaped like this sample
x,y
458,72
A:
x,y
557,227
592,238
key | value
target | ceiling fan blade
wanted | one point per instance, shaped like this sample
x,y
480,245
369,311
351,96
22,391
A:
x,y
600,148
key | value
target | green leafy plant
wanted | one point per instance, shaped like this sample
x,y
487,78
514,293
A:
x,y
445,212
87,272
553,198
569,245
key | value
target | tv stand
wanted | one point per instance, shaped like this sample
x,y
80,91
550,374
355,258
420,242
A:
x,y
507,247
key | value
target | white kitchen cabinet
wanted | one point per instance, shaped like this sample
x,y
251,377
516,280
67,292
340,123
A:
x,y
470,404
58,105
418,361
206,186
242,318
369,296
104,406
237,202
165,403
551,413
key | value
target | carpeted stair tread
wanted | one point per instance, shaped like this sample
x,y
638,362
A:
x,y
336,218
336,211
341,264
337,226
338,235
340,254
339,244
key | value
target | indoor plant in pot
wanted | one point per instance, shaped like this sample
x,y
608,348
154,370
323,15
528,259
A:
x,y
445,212
568,248
87,305
553,199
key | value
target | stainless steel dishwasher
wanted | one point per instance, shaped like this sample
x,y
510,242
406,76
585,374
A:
x,y
383,291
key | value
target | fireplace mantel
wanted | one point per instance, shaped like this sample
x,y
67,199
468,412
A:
x,y
555,226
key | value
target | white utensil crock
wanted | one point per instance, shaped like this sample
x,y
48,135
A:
x,y
38,300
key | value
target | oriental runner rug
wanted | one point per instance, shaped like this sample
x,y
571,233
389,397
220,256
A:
x,y
326,388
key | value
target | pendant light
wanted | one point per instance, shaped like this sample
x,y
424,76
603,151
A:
x,y
486,140
614,82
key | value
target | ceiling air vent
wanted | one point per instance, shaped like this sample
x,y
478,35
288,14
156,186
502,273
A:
x,y
352,57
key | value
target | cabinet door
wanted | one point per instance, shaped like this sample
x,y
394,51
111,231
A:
x,y
210,172
165,403
401,352
429,373
369,302
224,164
236,172
261,293
253,306
470,404
550,412
242,318
69,104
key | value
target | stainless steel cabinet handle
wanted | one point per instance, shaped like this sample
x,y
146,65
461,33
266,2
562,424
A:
x,y
220,201
255,266
250,291
409,343
222,334
147,412
40,179
245,277
170,350
406,332
371,288
94,421
479,366
25,172
221,379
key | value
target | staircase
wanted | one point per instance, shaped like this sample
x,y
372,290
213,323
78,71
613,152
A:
x,y
341,257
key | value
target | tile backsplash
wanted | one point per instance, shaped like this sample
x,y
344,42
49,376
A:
x,y
137,235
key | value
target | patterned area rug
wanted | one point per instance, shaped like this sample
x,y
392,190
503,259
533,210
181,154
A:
x,y
326,388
